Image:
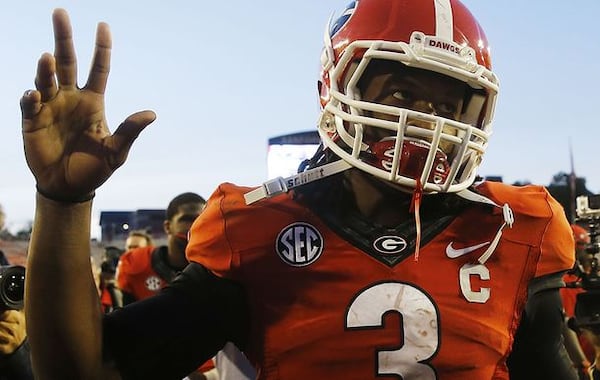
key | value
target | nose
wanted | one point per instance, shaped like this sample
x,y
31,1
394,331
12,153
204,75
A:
x,y
424,106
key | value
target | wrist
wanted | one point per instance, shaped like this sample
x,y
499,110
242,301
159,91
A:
x,y
66,217
66,199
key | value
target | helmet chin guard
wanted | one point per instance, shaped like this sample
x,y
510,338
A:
x,y
412,153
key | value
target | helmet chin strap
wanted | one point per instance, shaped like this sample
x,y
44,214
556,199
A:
x,y
380,159
282,185
507,213
470,196
415,206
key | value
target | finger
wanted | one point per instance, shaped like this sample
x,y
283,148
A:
x,y
12,317
64,51
30,106
126,134
130,129
101,61
45,79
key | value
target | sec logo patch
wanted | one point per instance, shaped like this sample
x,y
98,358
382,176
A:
x,y
299,244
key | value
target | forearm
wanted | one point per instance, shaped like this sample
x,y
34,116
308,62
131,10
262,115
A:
x,y
63,310
210,311
538,350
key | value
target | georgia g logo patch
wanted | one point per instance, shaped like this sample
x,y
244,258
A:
x,y
299,244
390,245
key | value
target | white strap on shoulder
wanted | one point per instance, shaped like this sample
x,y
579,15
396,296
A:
x,y
282,185
474,197
507,214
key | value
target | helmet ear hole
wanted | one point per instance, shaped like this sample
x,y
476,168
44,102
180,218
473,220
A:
x,y
323,91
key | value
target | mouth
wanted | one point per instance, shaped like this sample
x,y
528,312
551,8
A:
x,y
411,161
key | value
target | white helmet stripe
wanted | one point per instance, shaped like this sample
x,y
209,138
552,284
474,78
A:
x,y
443,20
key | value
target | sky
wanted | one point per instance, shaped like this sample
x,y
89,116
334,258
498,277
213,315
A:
x,y
225,76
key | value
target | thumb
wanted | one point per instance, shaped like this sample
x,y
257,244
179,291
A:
x,y
126,134
130,129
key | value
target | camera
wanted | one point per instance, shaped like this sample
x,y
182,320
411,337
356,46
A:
x,y
587,306
12,287
588,206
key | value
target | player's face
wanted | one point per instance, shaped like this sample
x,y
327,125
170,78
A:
x,y
177,229
182,221
393,84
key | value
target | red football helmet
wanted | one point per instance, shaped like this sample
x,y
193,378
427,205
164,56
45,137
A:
x,y
420,149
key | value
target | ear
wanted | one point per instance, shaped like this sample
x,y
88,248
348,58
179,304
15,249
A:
x,y
167,227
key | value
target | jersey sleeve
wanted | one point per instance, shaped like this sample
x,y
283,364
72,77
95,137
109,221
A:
x,y
557,246
542,225
208,244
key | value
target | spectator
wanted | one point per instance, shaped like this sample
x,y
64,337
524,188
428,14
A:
x,y
110,296
14,349
15,362
138,239
579,348
145,269
382,258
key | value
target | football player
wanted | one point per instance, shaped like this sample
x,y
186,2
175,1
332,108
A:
x,y
382,258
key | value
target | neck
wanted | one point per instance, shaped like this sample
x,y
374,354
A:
x,y
378,201
176,256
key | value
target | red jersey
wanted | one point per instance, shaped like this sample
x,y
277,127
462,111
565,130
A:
x,y
321,308
135,274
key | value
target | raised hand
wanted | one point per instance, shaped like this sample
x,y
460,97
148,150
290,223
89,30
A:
x,y
68,145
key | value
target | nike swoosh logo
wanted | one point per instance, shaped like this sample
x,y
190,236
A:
x,y
454,253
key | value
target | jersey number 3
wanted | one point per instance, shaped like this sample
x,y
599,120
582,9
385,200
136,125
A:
x,y
419,326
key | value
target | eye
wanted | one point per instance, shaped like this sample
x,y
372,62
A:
x,y
445,108
403,95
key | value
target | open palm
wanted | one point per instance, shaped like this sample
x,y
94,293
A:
x,y
68,145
